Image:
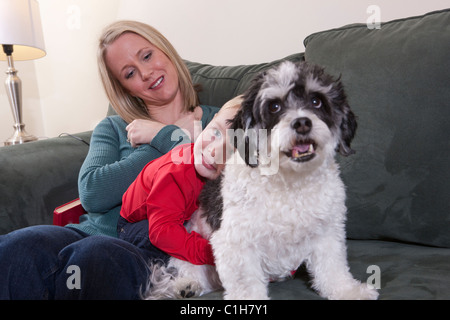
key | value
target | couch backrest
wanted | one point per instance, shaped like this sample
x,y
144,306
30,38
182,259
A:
x,y
222,83
398,83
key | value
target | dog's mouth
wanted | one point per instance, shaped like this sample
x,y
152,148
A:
x,y
303,151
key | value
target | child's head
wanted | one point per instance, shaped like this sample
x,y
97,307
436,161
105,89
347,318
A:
x,y
211,145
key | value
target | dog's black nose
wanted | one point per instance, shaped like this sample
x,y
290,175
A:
x,y
302,125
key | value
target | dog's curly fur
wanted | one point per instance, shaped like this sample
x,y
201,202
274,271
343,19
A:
x,y
286,205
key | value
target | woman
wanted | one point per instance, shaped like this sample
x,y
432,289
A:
x,y
151,90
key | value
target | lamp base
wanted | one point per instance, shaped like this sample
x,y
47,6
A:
x,y
20,136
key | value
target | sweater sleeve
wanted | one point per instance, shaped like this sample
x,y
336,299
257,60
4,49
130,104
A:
x,y
168,138
112,164
167,214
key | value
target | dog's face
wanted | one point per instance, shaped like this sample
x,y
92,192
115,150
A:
x,y
307,109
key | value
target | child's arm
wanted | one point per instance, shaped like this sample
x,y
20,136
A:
x,y
170,204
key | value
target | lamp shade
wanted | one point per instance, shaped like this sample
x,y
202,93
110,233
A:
x,y
20,26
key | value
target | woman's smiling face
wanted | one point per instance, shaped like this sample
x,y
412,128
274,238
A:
x,y
143,70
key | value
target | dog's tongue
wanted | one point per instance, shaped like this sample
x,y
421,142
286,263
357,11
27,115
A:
x,y
301,150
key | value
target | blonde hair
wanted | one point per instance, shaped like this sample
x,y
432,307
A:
x,y
236,102
128,107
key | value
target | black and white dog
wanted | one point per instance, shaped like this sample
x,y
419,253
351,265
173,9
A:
x,y
286,205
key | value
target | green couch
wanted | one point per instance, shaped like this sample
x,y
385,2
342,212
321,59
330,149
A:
x,y
398,183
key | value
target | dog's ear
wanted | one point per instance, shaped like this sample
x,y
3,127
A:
x,y
348,131
348,124
246,120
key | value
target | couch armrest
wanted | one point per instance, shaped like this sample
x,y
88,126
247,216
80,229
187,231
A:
x,y
37,177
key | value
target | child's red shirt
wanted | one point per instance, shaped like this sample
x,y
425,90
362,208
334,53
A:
x,y
166,193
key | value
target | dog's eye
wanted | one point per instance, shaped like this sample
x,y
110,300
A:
x,y
274,107
316,102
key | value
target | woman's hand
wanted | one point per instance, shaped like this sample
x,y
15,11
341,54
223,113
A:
x,y
142,131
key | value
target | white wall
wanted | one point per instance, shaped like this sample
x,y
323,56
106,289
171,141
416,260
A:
x,y
62,91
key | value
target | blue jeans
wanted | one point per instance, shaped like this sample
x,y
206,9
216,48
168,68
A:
x,y
137,234
50,262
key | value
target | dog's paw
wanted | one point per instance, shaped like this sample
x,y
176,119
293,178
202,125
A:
x,y
187,288
368,293
360,291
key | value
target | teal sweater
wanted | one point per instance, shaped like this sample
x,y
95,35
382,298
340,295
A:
x,y
112,165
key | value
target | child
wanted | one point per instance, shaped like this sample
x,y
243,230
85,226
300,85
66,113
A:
x,y
165,195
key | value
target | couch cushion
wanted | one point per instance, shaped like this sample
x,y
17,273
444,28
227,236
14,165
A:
x,y
407,272
397,79
222,83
